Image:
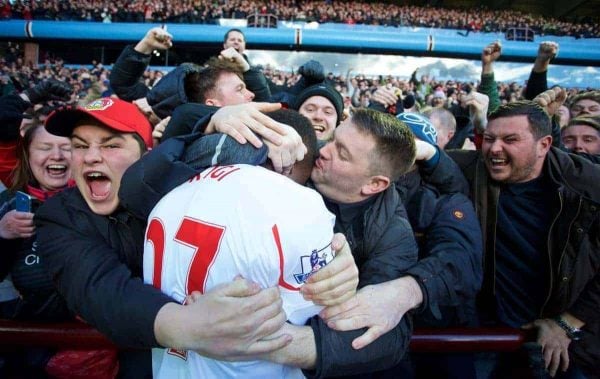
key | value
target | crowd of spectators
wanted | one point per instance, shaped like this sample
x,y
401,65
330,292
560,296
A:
x,y
207,12
88,83
91,82
357,89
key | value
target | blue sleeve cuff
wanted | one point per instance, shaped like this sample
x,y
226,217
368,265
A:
x,y
429,165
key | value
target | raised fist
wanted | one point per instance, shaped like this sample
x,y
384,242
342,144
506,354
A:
x,y
548,50
234,56
551,99
491,52
156,38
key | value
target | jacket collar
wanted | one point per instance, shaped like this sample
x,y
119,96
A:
x,y
575,173
348,212
74,198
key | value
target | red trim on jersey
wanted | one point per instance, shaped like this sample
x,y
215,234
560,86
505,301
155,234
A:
x,y
282,282
156,235
182,354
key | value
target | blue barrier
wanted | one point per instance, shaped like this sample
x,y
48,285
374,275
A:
x,y
322,37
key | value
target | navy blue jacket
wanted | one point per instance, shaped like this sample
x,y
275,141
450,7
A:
x,y
450,268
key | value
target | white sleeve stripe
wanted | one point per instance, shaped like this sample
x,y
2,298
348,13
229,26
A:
x,y
215,157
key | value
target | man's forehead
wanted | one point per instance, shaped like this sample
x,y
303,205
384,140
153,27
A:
x,y
319,100
229,78
98,130
580,129
348,126
235,34
508,125
583,102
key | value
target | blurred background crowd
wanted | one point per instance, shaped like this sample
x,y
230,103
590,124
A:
x,y
369,13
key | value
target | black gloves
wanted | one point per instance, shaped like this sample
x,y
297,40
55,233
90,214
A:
x,y
50,89
312,71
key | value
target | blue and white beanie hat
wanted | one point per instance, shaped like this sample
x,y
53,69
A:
x,y
420,125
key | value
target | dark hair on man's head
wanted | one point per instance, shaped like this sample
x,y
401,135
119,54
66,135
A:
x,y
199,86
395,147
233,30
539,121
591,121
140,142
304,128
588,95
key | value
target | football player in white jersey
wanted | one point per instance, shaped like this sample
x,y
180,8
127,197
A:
x,y
239,219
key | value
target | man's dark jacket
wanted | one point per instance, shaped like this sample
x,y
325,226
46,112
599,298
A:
x,y
95,262
383,247
573,240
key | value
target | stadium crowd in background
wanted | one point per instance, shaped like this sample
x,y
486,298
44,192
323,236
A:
x,y
91,81
208,12
388,181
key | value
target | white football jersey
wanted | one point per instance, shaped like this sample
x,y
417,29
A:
x,y
228,221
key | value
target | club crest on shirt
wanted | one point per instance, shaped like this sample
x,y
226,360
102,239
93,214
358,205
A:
x,y
312,263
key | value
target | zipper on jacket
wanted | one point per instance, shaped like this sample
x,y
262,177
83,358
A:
x,y
562,254
478,213
560,201
494,240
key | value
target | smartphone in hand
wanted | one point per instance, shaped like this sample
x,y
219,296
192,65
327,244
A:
x,y
22,202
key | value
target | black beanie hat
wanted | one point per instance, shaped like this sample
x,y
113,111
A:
x,y
327,92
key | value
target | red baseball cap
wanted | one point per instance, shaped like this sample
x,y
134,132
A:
x,y
115,114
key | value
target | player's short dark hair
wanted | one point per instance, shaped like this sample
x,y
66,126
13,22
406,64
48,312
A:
x,y
539,121
303,126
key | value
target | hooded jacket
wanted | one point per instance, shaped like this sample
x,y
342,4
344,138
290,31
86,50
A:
x,y
169,92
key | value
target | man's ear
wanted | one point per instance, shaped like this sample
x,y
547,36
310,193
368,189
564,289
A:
x,y
544,145
22,130
212,102
376,184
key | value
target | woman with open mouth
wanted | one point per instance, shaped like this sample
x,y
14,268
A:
x,y
43,169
